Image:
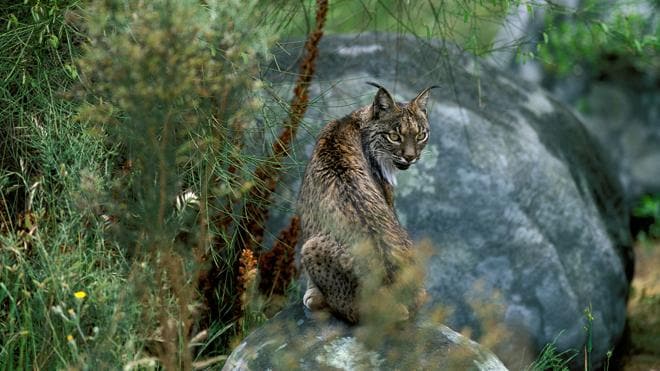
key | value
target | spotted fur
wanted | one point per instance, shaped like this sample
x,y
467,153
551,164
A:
x,y
346,197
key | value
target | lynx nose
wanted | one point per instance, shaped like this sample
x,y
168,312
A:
x,y
410,158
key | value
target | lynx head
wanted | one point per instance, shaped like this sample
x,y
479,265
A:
x,y
397,132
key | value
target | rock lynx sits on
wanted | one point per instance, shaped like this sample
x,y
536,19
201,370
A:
x,y
346,199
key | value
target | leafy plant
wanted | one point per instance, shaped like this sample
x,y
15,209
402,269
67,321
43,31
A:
x,y
470,24
178,88
599,37
649,207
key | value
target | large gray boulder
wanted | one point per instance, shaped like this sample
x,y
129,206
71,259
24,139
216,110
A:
x,y
624,116
296,340
526,218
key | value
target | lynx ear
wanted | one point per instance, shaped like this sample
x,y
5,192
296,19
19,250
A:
x,y
422,98
383,102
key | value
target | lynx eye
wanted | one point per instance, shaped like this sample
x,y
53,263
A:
x,y
393,137
422,136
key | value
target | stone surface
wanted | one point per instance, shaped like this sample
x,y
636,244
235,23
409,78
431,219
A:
x,y
294,340
525,214
624,116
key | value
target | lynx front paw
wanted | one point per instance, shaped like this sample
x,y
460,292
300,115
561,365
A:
x,y
314,299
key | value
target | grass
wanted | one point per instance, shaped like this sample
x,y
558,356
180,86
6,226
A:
x,y
55,249
552,359
126,168
50,246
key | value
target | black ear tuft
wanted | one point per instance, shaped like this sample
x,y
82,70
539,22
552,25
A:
x,y
422,98
383,102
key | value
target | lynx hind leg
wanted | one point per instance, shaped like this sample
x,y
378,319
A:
x,y
329,268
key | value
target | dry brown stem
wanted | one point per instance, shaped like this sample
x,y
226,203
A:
x,y
267,175
277,266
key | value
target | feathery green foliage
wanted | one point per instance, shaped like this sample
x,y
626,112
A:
x,y
177,88
470,24
49,166
38,43
649,207
600,36
89,196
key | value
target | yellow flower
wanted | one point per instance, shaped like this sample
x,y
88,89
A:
x,y
80,295
69,337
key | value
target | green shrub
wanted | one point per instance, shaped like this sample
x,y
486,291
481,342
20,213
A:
x,y
90,187
649,207
598,38
51,245
178,88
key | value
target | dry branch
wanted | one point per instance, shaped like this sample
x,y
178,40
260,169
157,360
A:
x,y
277,266
255,212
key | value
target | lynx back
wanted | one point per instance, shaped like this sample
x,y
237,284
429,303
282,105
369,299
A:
x,y
346,198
